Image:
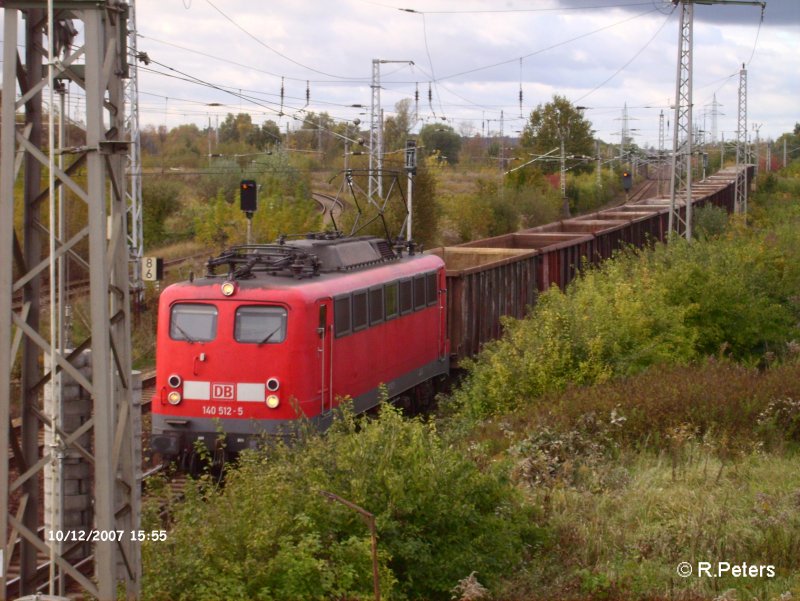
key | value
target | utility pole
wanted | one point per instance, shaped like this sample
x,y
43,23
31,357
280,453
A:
x,y
563,132
411,171
722,151
768,163
660,149
502,143
30,254
598,169
681,184
624,134
375,179
757,161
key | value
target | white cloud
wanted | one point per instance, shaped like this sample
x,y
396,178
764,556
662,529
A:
x,y
321,40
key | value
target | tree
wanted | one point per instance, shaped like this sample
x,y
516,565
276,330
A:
x,y
549,122
185,146
397,127
792,141
236,129
441,138
160,200
266,136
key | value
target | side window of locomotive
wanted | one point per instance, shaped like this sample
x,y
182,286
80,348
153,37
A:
x,y
375,305
193,322
390,296
406,297
260,324
431,289
360,310
342,324
419,292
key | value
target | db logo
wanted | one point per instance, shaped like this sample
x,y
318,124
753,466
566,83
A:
x,y
222,392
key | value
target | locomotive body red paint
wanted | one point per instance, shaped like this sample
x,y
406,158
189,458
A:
x,y
280,348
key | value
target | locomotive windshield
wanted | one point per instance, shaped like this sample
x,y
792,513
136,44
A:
x,y
260,324
193,322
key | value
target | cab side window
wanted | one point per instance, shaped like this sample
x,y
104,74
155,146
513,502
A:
x,y
342,322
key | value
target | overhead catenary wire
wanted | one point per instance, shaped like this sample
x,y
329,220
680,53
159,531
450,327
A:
x,y
633,58
281,54
452,100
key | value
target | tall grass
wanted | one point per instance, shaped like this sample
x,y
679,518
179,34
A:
x,y
625,541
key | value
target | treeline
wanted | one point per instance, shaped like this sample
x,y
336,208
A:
x,y
461,190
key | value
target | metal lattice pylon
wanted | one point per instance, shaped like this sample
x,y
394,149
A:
x,y
681,184
134,167
375,135
740,202
96,244
375,182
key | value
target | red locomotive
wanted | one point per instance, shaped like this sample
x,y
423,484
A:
x,y
287,331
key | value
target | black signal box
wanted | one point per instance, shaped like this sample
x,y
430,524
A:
x,y
248,195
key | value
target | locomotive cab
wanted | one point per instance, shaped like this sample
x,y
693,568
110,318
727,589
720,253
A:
x,y
251,354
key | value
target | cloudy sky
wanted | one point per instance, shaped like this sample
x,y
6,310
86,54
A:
x,y
470,59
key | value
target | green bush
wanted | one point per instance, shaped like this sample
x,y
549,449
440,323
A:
x,y
614,320
270,534
160,200
736,295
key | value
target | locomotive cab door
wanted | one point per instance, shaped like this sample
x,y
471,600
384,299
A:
x,y
325,353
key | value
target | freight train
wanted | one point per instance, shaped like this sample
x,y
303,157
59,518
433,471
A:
x,y
275,334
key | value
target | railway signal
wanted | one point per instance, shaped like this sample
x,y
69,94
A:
x,y
627,182
248,198
248,202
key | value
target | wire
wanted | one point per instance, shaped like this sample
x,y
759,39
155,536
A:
x,y
541,50
633,58
758,31
192,79
250,67
430,62
271,49
517,10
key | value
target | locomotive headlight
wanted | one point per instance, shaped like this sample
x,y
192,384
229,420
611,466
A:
x,y
228,288
174,397
273,401
174,380
273,384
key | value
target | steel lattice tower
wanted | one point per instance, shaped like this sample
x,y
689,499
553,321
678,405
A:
x,y
134,167
740,203
375,180
95,201
682,135
375,134
681,184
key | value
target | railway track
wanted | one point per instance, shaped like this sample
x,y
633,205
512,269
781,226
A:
x,y
330,206
646,189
